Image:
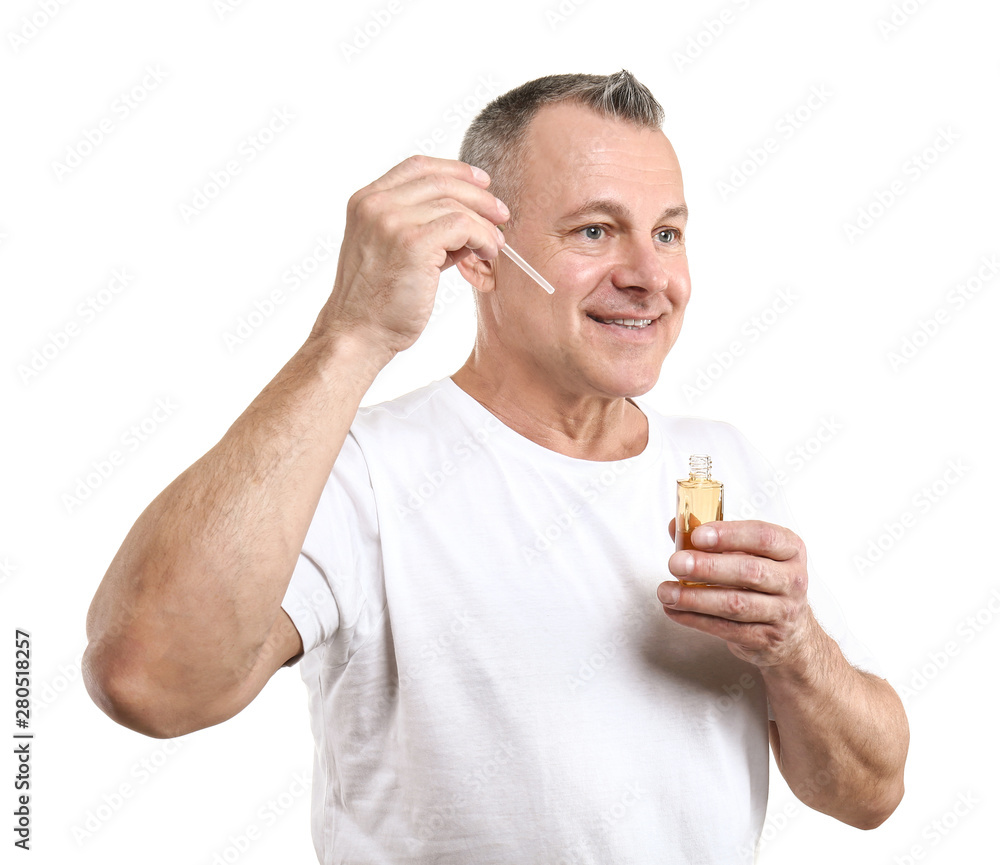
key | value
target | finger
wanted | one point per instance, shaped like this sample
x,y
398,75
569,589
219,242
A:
x,y
488,238
425,199
749,536
730,569
734,605
425,178
419,165
672,530
454,228
458,229
739,633
443,189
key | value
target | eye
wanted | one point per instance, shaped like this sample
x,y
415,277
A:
x,y
586,231
675,235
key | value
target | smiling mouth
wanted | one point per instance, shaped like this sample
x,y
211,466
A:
x,y
633,323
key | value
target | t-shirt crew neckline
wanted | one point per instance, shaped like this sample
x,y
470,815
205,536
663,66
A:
x,y
479,414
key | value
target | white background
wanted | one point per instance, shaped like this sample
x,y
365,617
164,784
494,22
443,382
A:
x,y
826,360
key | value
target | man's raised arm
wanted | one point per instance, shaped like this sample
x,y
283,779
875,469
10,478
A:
x,y
186,626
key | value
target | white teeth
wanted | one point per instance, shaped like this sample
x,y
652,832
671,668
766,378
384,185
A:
x,y
627,322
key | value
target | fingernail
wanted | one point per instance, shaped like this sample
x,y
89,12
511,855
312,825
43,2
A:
x,y
708,536
504,210
683,563
480,175
500,236
668,593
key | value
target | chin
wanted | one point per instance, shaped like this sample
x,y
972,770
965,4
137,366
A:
x,y
623,383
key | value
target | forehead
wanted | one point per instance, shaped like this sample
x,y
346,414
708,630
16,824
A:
x,y
573,152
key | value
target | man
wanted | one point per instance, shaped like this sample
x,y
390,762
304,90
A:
x,y
472,576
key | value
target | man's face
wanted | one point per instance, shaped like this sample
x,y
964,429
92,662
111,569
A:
x,y
602,218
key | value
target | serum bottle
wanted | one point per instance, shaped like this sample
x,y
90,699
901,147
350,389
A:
x,y
699,500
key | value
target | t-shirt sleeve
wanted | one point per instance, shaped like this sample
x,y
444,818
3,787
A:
x,y
335,582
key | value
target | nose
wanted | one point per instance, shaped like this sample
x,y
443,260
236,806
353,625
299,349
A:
x,y
641,265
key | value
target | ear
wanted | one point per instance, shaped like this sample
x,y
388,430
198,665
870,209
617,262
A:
x,y
481,275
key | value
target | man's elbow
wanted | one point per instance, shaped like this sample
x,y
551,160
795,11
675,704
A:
x,y
130,697
877,811
889,772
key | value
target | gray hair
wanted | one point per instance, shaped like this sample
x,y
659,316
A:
x,y
495,140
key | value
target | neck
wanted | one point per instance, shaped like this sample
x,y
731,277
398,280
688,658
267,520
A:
x,y
590,427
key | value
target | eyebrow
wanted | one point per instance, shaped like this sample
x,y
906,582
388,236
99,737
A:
x,y
619,211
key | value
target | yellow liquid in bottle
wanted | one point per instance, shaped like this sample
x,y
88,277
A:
x,y
699,500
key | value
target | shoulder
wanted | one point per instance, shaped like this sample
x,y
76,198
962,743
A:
x,y
700,434
406,432
413,412
743,468
403,407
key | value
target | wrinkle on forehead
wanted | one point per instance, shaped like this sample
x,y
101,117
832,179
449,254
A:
x,y
570,144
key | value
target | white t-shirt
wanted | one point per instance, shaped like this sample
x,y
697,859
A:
x,y
491,676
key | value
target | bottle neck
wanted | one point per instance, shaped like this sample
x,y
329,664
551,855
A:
x,y
700,466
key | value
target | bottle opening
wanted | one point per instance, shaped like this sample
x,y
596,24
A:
x,y
701,466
